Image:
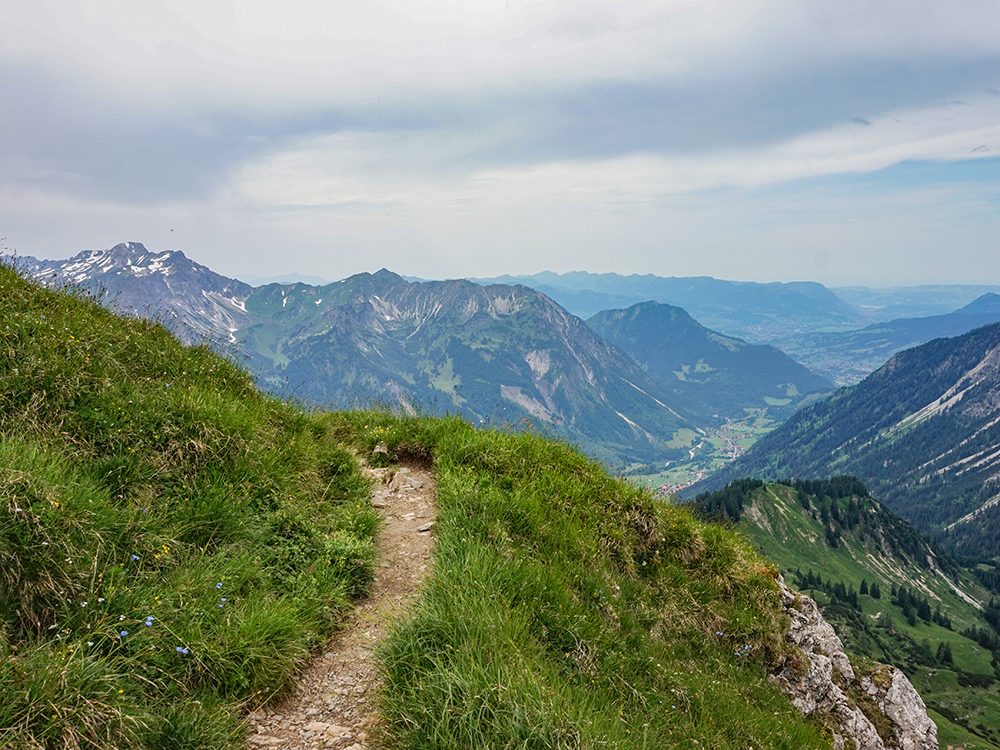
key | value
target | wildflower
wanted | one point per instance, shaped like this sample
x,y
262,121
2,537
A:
x,y
149,621
181,650
100,599
222,599
134,557
218,585
124,633
121,617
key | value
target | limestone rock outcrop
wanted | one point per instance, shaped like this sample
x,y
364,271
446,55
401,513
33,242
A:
x,y
866,706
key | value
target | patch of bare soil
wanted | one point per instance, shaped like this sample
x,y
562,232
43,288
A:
x,y
334,703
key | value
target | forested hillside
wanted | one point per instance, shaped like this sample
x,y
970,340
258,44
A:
x,y
922,433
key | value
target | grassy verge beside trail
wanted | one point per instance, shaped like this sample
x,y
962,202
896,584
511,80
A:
x,y
570,609
172,542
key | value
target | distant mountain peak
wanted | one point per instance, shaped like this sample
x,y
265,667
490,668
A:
x,y
385,276
987,303
166,283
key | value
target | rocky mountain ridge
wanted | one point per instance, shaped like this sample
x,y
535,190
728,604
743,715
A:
x,y
893,595
489,353
167,284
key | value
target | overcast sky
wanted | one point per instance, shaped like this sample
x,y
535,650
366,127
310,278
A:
x,y
850,142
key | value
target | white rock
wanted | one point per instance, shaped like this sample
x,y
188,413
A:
x,y
821,686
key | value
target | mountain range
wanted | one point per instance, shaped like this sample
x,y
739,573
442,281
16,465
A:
x,y
643,384
493,353
842,334
750,310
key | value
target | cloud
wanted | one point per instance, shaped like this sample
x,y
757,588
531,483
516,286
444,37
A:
x,y
433,123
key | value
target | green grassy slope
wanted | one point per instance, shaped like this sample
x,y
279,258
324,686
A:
x,y
861,544
568,608
172,542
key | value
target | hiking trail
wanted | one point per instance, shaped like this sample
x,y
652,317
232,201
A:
x,y
334,701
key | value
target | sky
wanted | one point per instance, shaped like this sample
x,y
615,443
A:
x,y
851,143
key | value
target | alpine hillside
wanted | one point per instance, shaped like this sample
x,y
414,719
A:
x,y
177,545
922,432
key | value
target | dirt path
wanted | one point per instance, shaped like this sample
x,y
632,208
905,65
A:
x,y
334,702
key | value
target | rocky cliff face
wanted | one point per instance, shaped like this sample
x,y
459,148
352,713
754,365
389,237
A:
x,y
865,706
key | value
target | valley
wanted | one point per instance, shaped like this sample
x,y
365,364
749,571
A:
x,y
717,448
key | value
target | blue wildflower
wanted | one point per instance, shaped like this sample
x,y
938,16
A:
x,y
181,650
124,633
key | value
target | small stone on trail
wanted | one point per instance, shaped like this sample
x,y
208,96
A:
x,y
426,527
264,741
333,730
